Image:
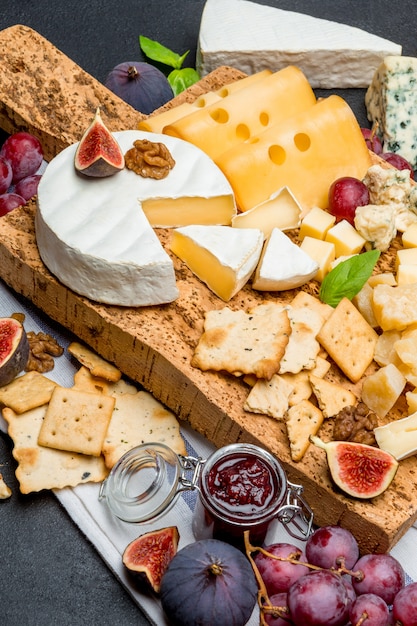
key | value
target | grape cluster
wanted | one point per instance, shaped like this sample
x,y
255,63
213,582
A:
x,y
20,158
330,584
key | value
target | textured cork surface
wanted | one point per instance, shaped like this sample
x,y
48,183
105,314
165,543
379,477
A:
x,y
154,345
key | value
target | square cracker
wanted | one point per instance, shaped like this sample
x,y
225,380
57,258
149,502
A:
x,y
45,468
95,363
302,420
349,340
76,421
241,342
27,392
139,418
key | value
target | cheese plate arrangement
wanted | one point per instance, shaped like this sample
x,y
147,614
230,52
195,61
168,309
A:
x,y
160,339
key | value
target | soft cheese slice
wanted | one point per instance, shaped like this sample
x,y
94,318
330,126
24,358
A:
x,y
250,36
399,438
306,153
94,236
390,102
280,211
222,257
246,112
283,265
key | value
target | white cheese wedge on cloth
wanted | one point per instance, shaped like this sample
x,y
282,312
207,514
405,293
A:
x,y
93,233
390,102
283,265
252,37
221,256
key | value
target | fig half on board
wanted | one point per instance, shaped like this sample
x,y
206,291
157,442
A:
x,y
98,154
14,349
360,470
148,556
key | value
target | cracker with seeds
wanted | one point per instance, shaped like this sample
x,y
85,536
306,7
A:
x,y
27,392
139,419
330,396
46,468
349,340
241,342
95,363
270,397
302,420
76,421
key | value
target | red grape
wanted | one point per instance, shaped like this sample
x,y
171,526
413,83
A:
x,y
383,575
345,195
396,160
24,153
279,600
6,175
28,187
279,575
372,140
405,606
9,201
327,544
318,599
370,606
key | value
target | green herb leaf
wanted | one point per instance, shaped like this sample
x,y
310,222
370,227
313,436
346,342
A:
x,y
182,79
157,52
348,277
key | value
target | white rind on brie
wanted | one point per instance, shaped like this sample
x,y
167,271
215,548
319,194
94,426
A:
x,y
93,234
252,37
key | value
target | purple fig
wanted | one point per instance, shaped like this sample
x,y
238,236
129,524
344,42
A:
x,y
141,85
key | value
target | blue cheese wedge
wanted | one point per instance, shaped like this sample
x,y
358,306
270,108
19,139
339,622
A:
x,y
224,258
251,37
390,102
96,235
283,265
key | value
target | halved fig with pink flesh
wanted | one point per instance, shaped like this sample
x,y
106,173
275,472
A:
x,y
360,470
14,349
98,154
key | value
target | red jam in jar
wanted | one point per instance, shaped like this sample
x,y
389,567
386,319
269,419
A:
x,y
241,488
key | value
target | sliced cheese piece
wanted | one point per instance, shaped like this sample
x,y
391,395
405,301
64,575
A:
x,y
323,252
346,239
245,113
381,390
222,257
94,236
155,123
283,265
250,36
316,224
399,437
306,153
390,103
280,211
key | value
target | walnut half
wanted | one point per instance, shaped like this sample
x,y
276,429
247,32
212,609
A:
x,y
42,349
355,423
149,159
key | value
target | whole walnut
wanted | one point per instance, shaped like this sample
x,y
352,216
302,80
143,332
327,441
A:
x,y
355,423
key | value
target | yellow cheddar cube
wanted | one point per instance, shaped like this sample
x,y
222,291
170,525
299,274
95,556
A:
x,y
395,308
406,256
323,252
409,237
316,223
346,239
411,397
407,274
381,390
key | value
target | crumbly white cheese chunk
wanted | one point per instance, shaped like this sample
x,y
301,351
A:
x,y
252,37
376,224
391,103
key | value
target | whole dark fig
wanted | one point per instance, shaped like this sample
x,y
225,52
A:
x,y
141,85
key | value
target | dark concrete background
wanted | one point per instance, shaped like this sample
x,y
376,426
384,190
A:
x,y
49,573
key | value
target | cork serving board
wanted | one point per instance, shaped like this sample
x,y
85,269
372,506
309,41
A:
x,y
154,345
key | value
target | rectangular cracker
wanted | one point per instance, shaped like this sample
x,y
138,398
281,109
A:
x,y
46,468
140,418
95,363
349,340
27,392
76,421
241,342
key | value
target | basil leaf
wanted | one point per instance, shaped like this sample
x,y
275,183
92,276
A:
x,y
181,79
348,277
157,52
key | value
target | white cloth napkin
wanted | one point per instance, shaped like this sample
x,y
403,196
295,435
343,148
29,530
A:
x,y
110,535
